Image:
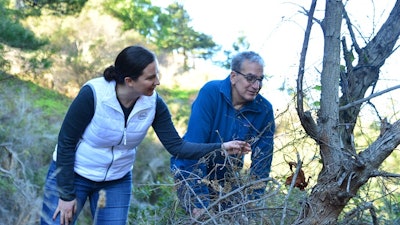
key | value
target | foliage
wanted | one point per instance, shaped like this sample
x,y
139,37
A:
x,y
18,193
25,104
180,36
13,33
153,202
61,7
5,65
30,119
139,15
168,29
240,45
179,102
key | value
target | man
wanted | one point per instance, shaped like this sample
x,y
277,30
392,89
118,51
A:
x,y
229,109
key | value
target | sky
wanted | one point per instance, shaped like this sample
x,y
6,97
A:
x,y
275,29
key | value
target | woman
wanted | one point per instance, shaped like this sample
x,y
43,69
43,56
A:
x,y
97,142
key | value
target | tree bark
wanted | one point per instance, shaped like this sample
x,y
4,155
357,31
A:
x,y
345,170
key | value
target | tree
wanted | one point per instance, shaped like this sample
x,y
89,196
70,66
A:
x,y
182,38
345,169
61,7
241,44
168,28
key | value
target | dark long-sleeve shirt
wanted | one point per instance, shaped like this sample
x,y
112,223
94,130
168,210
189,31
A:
x,y
79,116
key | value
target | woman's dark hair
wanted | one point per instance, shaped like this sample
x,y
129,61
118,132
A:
x,y
130,62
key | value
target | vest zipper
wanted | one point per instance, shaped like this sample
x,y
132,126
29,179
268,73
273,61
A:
x,y
124,136
109,166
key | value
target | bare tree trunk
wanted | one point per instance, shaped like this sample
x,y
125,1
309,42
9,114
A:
x,y
319,205
344,170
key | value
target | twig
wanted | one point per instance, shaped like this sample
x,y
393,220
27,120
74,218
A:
x,y
298,167
353,213
230,210
351,104
305,119
376,173
185,181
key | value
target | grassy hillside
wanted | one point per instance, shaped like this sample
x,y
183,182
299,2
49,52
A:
x,y
30,117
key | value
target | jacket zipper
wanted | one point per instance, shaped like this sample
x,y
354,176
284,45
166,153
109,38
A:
x,y
124,137
109,166
123,140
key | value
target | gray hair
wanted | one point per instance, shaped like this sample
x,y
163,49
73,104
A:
x,y
250,56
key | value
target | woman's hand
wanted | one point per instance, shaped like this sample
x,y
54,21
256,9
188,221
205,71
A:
x,y
236,147
67,210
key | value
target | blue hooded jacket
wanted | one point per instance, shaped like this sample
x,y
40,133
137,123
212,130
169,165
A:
x,y
214,119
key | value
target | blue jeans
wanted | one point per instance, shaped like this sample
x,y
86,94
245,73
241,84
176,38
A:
x,y
117,192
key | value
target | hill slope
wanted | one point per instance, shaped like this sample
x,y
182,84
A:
x,y
30,118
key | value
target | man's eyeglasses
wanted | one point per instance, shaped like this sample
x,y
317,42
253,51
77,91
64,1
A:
x,y
251,78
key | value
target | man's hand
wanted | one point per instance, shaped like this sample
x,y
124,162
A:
x,y
236,147
67,210
196,213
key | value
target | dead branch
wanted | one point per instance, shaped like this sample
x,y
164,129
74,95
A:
x,y
384,174
348,217
351,104
292,185
351,32
305,119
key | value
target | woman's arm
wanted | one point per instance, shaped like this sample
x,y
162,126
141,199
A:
x,y
175,145
79,115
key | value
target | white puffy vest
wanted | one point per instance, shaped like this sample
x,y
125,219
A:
x,y
107,149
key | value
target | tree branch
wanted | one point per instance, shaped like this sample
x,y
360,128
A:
x,y
305,118
351,104
382,147
387,36
351,32
355,212
377,173
298,167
